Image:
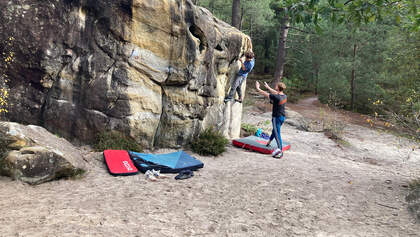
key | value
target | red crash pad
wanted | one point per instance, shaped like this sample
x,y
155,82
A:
x,y
119,162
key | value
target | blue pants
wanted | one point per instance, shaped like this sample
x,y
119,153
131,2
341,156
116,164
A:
x,y
277,122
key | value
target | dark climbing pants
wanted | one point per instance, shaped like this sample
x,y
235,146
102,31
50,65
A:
x,y
236,86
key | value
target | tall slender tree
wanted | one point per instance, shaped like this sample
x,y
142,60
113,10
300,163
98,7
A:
x,y
353,78
281,51
236,14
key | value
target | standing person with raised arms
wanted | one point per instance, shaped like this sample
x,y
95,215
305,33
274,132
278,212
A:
x,y
278,99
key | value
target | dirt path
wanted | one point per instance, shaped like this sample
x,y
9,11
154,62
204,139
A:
x,y
309,107
312,109
317,189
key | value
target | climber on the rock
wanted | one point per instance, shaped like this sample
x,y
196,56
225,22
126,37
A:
x,y
246,67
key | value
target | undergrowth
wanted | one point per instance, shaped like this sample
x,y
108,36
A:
x,y
331,126
209,142
114,140
248,129
413,198
415,184
3,147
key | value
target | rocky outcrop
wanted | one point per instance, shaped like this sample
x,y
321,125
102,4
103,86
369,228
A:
x,y
296,120
156,70
33,155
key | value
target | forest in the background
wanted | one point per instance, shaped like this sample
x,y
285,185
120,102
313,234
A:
x,y
357,55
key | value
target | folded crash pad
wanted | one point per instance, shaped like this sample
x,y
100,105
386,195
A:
x,y
167,163
118,162
259,144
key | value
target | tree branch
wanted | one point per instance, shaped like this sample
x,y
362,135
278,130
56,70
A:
x,y
348,1
291,27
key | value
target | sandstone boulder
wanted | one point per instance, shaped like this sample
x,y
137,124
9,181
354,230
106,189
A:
x,y
296,120
33,155
155,70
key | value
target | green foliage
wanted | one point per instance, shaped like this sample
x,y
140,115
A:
x,y
248,129
114,140
3,147
6,57
295,88
356,12
221,9
3,99
209,142
255,12
414,185
78,174
256,21
413,198
332,127
387,77
399,98
261,20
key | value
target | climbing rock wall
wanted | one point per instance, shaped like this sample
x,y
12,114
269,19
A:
x,y
155,70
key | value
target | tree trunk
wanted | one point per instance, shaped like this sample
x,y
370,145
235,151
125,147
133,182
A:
x,y
266,54
211,6
281,52
250,30
242,18
315,66
236,13
353,77
316,79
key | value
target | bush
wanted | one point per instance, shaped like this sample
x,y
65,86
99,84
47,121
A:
x,y
3,148
114,140
248,129
6,58
209,142
414,185
413,198
331,125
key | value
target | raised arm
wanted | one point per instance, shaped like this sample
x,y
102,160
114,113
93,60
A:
x,y
272,91
257,85
242,64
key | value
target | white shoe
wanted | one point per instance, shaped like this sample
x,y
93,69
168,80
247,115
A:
x,y
277,153
158,175
150,176
155,172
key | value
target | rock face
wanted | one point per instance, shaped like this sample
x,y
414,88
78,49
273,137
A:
x,y
33,155
155,70
296,120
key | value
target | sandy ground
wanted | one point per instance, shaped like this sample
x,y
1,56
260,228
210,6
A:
x,y
319,188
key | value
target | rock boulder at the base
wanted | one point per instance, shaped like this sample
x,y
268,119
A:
x,y
33,155
296,120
